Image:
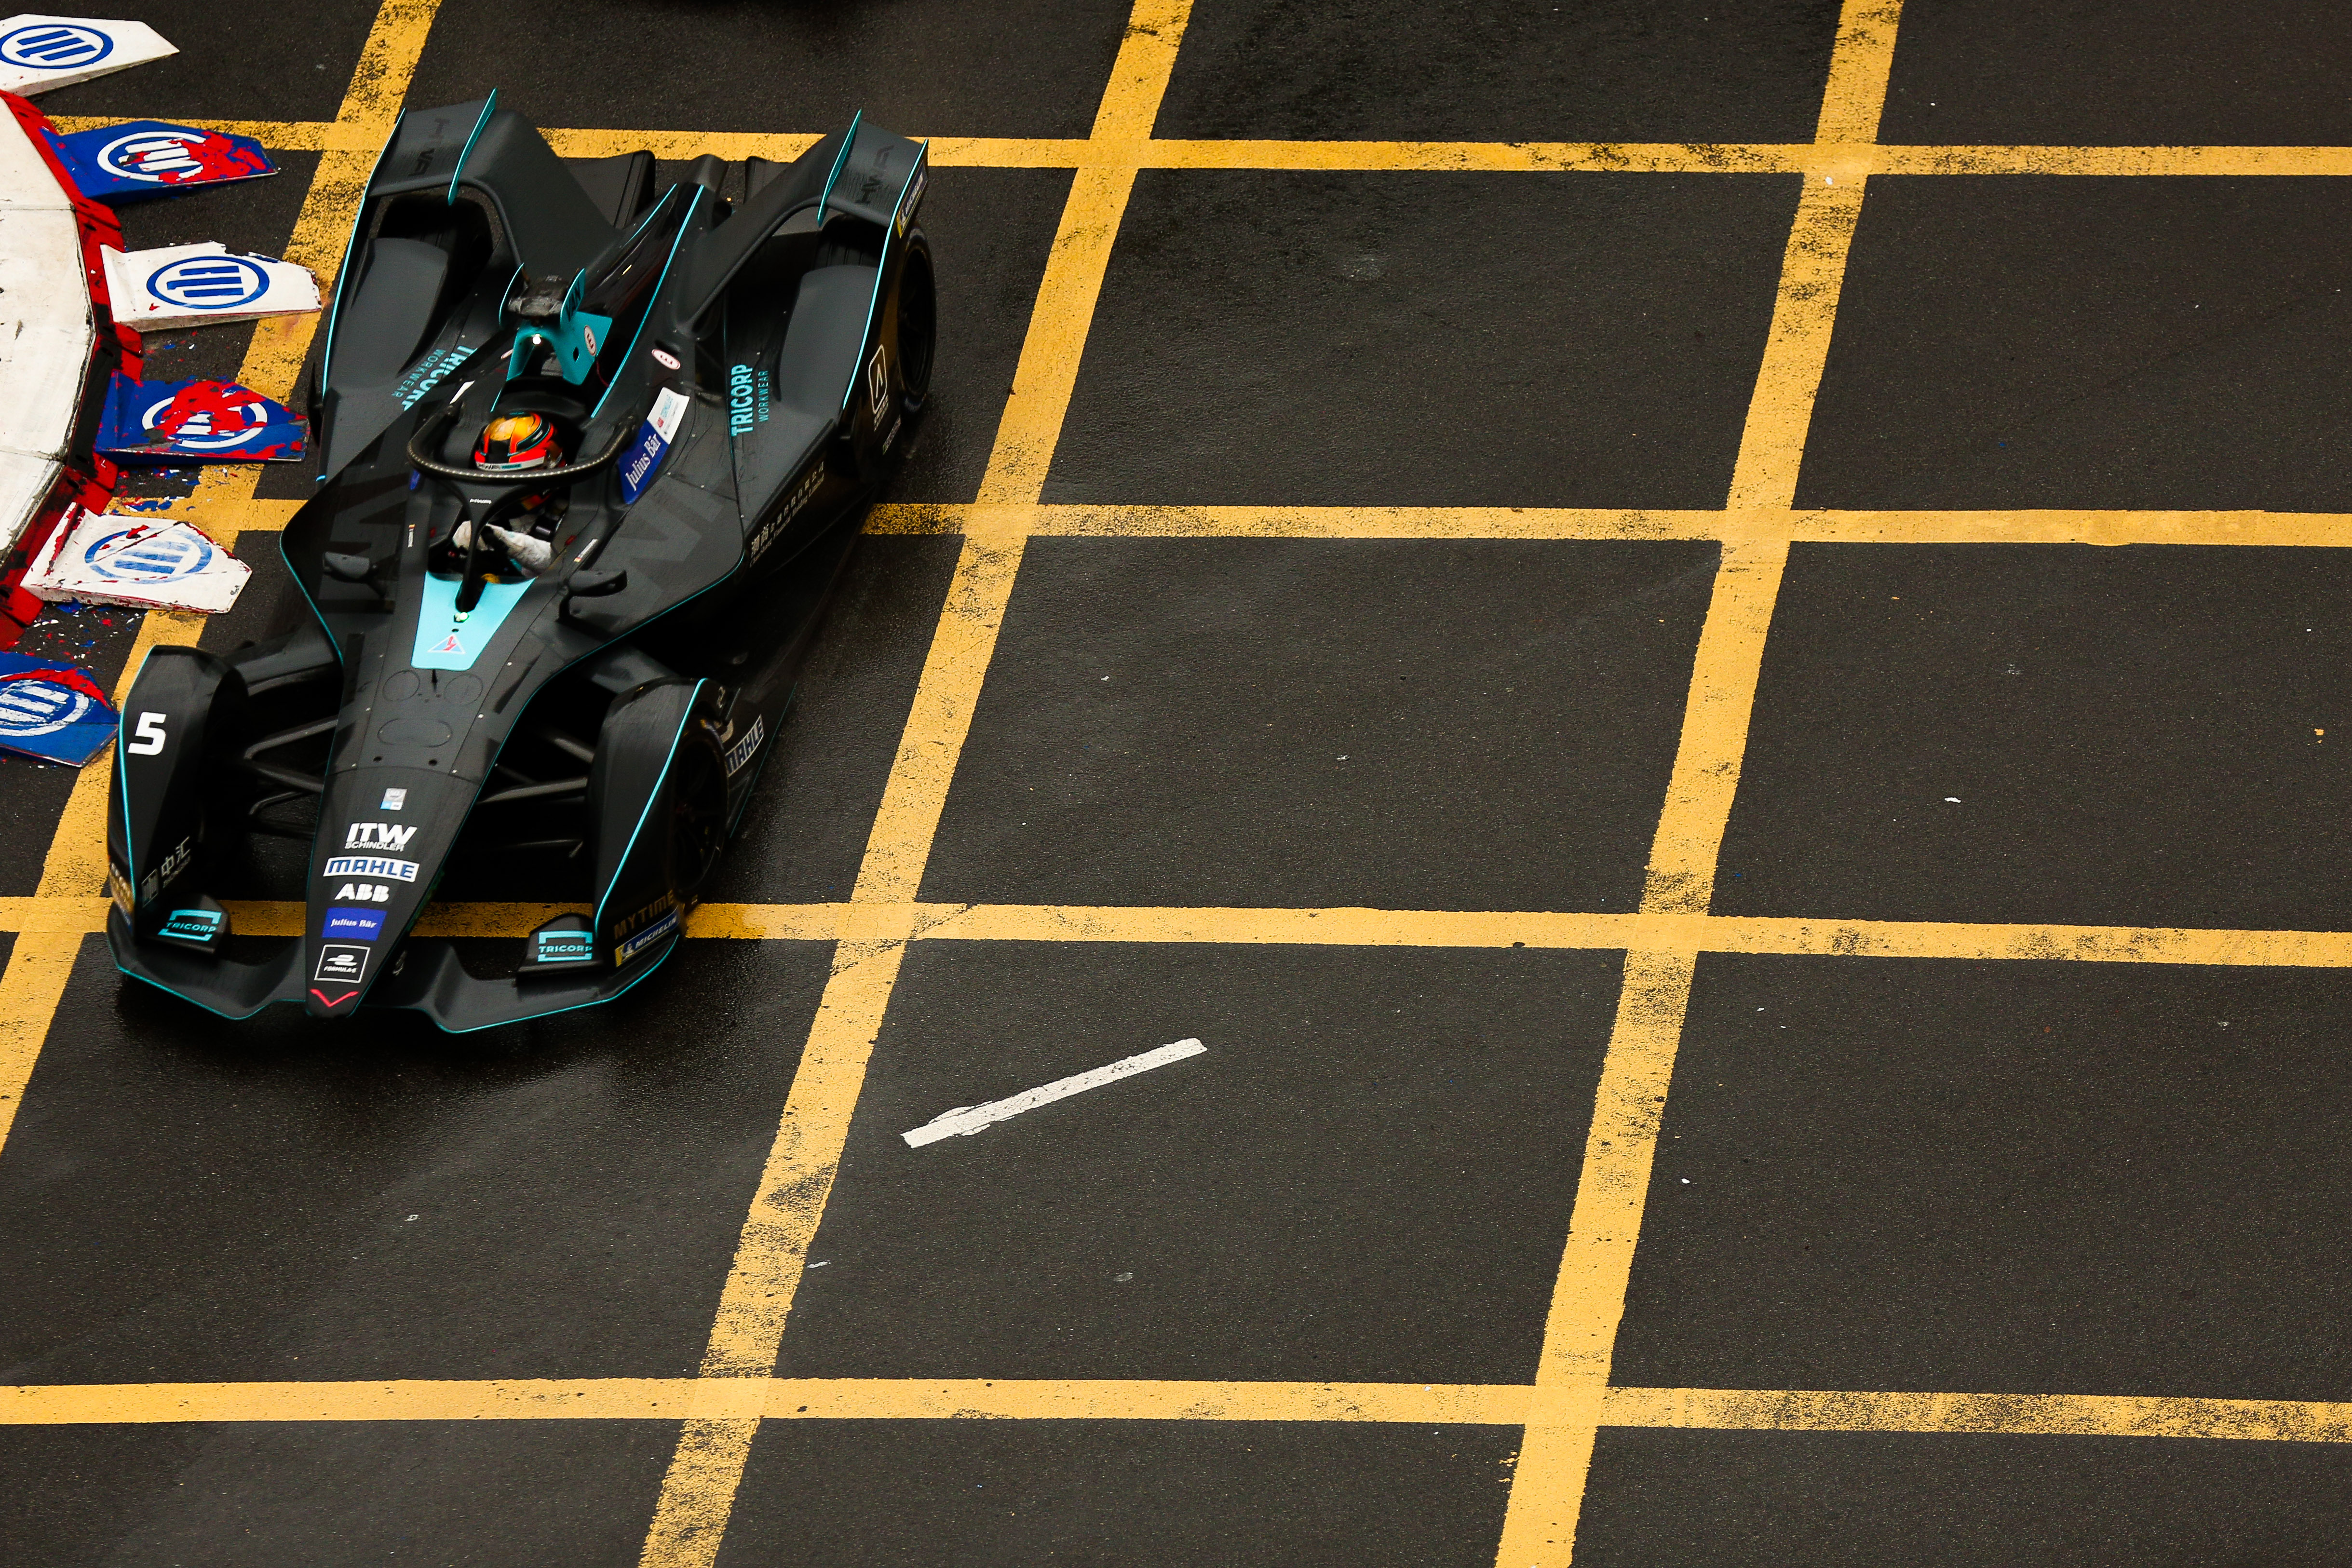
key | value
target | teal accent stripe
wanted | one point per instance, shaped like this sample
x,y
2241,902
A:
x,y
489,107
848,141
122,787
437,622
881,266
344,278
634,981
596,921
653,301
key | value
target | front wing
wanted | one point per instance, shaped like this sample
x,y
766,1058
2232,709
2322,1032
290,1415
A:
x,y
429,980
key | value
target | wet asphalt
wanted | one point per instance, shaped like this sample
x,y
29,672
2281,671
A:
x,y
1873,1175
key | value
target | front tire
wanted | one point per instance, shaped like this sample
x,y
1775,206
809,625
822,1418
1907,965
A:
x,y
697,809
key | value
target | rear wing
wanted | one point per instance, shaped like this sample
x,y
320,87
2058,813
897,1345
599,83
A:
x,y
864,170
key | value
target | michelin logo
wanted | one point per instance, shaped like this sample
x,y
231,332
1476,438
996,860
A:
x,y
369,866
645,938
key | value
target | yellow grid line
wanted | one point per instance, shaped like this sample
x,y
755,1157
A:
x,y
1597,1263
1102,1399
1837,155
1784,935
753,1399
699,1492
229,515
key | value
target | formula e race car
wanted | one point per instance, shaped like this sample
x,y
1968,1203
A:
x,y
593,459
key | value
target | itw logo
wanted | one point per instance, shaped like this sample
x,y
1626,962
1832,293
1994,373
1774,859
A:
x,y
378,836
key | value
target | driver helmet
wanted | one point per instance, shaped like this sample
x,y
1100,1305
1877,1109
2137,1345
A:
x,y
516,444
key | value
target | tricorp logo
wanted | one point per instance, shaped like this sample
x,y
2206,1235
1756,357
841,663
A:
x,y
740,403
29,708
142,555
55,45
209,282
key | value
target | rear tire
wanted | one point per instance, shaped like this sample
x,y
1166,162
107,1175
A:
x,y
919,315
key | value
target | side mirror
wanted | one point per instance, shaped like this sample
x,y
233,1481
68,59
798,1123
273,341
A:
x,y
595,586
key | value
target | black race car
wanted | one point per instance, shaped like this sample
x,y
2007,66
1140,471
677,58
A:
x,y
576,669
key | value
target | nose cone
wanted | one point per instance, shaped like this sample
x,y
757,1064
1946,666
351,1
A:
x,y
383,835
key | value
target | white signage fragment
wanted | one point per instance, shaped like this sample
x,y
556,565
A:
x,y
196,285
38,53
145,563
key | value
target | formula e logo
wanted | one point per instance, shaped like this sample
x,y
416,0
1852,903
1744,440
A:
x,y
55,45
208,283
29,708
342,961
142,555
370,865
371,892
877,385
378,836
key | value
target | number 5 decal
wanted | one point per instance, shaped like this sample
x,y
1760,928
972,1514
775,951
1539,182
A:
x,y
150,736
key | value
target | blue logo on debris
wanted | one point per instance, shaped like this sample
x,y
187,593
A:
x,y
29,708
153,156
209,283
136,556
55,45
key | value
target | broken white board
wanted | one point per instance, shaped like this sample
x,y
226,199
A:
x,y
197,285
104,559
38,53
46,334
966,1119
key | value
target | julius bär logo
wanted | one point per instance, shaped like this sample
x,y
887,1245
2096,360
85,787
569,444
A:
x,y
209,282
55,45
30,708
141,555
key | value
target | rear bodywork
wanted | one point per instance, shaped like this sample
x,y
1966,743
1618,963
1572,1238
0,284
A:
x,y
732,381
